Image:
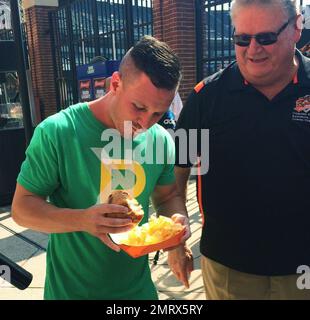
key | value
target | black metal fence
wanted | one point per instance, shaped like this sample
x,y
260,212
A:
x,y
6,34
85,29
6,30
214,44
215,49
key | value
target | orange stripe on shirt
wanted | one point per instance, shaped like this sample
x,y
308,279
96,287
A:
x,y
199,191
199,86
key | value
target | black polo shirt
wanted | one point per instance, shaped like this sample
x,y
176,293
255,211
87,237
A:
x,y
255,196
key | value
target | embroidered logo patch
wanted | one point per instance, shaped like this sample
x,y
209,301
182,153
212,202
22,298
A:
x,y
302,110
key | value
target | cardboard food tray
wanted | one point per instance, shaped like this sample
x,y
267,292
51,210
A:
x,y
138,251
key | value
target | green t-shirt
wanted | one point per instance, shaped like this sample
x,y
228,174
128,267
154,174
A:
x,y
64,161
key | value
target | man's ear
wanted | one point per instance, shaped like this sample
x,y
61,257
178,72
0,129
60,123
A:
x,y
115,81
300,21
298,27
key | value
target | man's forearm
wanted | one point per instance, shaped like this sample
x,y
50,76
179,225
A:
x,y
32,211
175,204
182,175
172,199
35,213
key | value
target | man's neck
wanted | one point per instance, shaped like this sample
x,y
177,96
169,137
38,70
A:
x,y
99,108
271,90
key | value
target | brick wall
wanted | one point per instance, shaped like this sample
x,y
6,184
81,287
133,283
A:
x,y
41,60
174,23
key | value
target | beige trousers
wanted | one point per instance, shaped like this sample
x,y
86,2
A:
x,y
223,283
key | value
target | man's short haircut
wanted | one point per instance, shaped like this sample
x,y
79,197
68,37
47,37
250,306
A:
x,y
154,58
289,6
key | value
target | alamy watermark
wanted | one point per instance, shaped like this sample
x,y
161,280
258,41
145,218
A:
x,y
303,281
153,149
5,276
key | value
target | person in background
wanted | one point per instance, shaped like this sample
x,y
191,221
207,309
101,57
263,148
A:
x,y
107,86
168,121
176,106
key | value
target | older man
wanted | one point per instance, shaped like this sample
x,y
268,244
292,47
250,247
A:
x,y
255,197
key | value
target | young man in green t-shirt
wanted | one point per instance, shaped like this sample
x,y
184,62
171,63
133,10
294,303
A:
x,y
79,156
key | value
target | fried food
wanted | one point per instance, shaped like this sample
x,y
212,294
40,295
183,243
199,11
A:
x,y
157,230
121,197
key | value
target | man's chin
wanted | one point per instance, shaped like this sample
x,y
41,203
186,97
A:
x,y
130,132
130,135
135,133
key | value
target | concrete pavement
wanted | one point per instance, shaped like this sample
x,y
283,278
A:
x,y
28,249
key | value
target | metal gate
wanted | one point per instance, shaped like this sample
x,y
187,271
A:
x,y
215,48
85,29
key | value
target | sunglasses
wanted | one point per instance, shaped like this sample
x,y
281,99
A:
x,y
263,38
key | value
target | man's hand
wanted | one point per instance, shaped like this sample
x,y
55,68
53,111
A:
x,y
180,258
27,209
95,223
180,218
180,261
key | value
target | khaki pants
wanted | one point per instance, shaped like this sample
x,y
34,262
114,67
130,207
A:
x,y
223,283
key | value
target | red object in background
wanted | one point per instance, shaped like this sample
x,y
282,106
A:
x,y
85,90
99,87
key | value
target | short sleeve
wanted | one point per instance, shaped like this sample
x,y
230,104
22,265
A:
x,y
39,172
